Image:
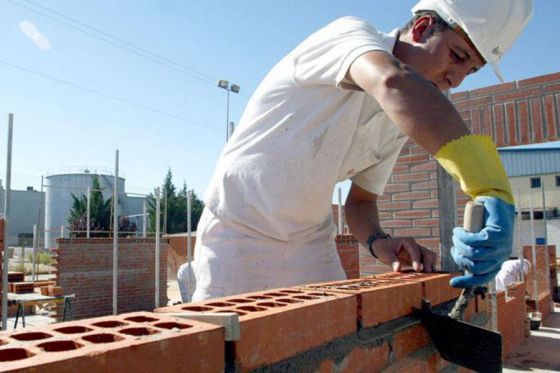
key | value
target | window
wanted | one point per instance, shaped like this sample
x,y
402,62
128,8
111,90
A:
x,y
535,182
557,181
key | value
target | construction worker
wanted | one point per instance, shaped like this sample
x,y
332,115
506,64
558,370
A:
x,y
340,106
512,270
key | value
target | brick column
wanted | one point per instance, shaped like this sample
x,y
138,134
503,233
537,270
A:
x,y
348,250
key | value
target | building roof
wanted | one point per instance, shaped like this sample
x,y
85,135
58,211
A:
x,y
531,159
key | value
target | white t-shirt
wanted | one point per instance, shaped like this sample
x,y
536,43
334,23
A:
x,y
305,129
512,270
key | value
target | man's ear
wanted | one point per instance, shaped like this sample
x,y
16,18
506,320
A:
x,y
422,28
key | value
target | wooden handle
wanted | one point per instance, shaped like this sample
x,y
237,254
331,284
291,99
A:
x,y
474,217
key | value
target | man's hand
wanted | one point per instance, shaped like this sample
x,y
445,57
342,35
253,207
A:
x,y
404,251
482,254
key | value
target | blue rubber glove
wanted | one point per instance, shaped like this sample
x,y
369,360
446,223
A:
x,y
482,253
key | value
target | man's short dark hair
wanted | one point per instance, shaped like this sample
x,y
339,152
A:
x,y
439,24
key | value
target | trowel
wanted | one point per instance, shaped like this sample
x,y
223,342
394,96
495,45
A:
x,y
459,342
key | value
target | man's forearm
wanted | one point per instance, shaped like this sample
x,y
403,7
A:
x,y
362,218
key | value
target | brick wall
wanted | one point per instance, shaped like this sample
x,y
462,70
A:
x,y
542,275
365,324
522,112
348,251
177,252
85,268
512,316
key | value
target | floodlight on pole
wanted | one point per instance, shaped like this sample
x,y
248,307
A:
x,y
225,84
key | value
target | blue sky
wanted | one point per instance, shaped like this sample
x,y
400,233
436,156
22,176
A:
x,y
84,78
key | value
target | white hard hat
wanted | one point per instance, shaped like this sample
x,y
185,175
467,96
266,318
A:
x,y
492,25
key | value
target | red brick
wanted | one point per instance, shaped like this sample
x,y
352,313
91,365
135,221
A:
x,y
14,276
416,213
401,205
457,96
428,166
118,343
400,168
412,158
426,223
360,359
552,88
379,300
494,89
400,187
487,121
517,95
536,115
395,223
409,340
499,125
523,110
412,232
430,203
430,185
511,124
476,127
550,117
435,286
274,328
411,195
539,80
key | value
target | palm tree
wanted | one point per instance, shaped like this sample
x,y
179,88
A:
x,y
100,215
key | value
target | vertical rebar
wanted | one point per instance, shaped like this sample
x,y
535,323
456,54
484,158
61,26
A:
x,y
6,256
158,217
115,235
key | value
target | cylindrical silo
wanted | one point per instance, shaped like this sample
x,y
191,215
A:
x,y
58,198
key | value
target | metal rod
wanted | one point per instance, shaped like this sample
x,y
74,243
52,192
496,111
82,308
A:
x,y
534,254
227,115
158,217
115,235
189,244
340,231
88,214
546,251
40,211
6,258
144,219
520,253
33,260
493,304
62,231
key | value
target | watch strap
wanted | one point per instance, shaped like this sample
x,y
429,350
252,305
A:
x,y
374,237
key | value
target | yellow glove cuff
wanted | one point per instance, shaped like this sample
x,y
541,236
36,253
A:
x,y
474,163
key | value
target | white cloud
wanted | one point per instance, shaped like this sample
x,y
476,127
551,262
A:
x,y
31,32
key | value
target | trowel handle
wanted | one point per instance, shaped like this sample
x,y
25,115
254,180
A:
x,y
473,221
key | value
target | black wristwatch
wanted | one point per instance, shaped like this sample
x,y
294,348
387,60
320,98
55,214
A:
x,y
374,237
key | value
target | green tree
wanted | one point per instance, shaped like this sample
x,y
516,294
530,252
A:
x,y
101,217
173,207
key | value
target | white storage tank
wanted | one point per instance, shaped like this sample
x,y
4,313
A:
x,y
58,199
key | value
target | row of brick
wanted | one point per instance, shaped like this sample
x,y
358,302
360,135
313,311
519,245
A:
x,y
281,323
353,325
276,325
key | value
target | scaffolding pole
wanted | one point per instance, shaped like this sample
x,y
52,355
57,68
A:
x,y
533,254
189,244
6,257
115,235
158,217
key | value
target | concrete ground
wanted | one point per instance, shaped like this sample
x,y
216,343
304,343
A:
x,y
540,352
41,318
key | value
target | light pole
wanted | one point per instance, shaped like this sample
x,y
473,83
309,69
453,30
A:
x,y
225,84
